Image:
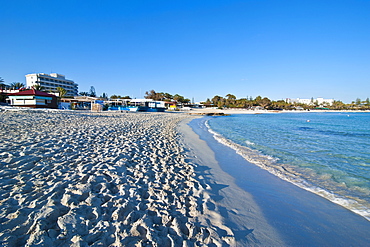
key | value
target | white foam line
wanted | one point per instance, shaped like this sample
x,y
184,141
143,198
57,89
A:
x,y
265,162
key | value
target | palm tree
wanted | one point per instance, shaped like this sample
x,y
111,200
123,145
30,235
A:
x,y
61,92
3,86
84,93
38,87
17,85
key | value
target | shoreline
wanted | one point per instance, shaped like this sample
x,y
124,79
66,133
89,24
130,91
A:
x,y
294,216
120,179
292,175
236,206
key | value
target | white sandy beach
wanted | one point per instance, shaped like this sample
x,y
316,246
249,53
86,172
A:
x,y
147,179
101,179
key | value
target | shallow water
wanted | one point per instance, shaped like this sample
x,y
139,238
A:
x,y
325,153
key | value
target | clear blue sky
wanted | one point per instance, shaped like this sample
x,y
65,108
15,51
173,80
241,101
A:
x,y
199,49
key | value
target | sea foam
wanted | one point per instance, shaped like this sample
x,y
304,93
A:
x,y
289,174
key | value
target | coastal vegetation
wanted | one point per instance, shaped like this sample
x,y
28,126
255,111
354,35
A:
x,y
38,87
114,96
61,92
17,85
12,86
2,85
227,101
165,97
91,93
230,101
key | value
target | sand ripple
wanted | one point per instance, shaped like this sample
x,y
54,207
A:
x,y
84,179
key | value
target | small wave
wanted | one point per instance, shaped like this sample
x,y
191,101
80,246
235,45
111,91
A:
x,y
249,143
289,174
335,133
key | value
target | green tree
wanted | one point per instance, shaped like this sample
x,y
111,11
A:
x,y
338,105
160,96
207,103
3,86
178,98
84,93
151,95
17,85
243,103
257,100
61,92
221,103
167,96
265,102
231,97
154,96
92,92
279,105
38,87
125,97
104,96
230,100
216,99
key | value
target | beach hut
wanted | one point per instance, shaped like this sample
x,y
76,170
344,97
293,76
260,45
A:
x,y
34,99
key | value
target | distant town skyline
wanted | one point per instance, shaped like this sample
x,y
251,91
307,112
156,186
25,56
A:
x,y
199,49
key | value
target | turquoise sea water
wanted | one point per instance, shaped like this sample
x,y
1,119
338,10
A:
x,y
325,153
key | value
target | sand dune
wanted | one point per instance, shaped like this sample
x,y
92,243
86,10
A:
x,y
101,179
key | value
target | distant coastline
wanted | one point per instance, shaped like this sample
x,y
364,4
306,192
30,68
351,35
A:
x,y
247,111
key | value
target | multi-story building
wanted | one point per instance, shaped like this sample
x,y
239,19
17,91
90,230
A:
x,y
51,82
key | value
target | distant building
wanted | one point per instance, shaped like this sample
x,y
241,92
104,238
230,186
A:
x,y
34,99
319,101
77,103
51,82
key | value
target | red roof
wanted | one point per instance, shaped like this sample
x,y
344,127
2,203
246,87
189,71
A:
x,y
32,92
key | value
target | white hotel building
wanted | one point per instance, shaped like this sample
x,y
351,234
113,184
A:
x,y
51,82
